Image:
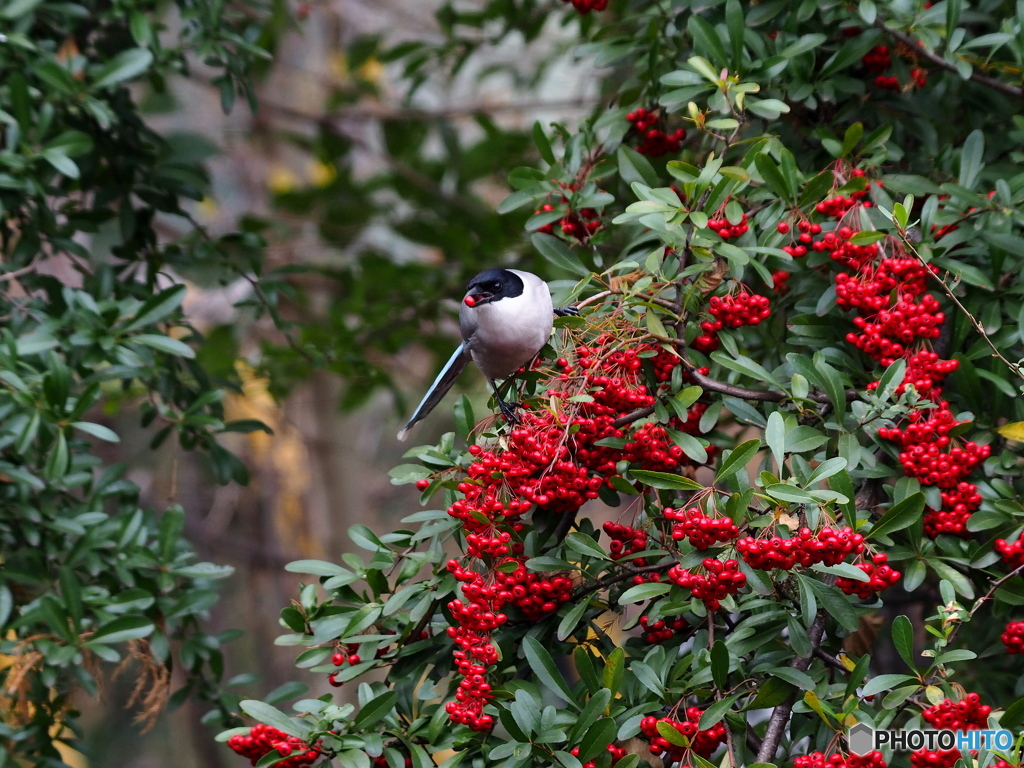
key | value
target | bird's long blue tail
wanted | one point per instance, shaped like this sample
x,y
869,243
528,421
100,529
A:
x,y
444,381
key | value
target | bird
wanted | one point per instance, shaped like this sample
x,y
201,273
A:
x,y
506,318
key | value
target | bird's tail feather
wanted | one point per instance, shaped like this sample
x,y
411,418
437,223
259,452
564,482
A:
x,y
444,381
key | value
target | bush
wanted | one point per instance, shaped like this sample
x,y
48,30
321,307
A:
x,y
795,240
91,303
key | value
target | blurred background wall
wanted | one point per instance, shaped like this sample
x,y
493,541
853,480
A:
x,y
346,174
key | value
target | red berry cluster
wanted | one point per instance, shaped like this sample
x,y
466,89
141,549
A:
x,y
653,449
896,313
957,507
263,739
654,142
1011,552
881,576
663,629
349,655
579,224
720,580
807,233
779,279
818,760
550,460
701,531
625,541
968,714
617,754
1013,637
742,308
942,758
702,743
535,595
828,546
878,60
929,454
727,231
586,6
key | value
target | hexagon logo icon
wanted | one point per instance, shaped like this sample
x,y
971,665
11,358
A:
x,y
860,738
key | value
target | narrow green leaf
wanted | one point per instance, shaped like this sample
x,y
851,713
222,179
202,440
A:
x,y
775,437
666,481
899,516
376,709
544,667
738,459
903,640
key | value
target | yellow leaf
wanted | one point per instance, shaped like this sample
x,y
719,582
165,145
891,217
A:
x,y
849,663
1014,431
934,694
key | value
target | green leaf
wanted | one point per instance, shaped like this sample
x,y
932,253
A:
x,y
666,481
570,621
542,664
642,592
597,738
123,629
315,568
960,583
648,678
614,670
899,516
736,25
376,709
97,430
832,600
635,167
543,145
585,545
165,344
272,716
720,664
124,66
794,677
790,493
885,683
746,366
558,253
157,307
738,459
18,8
772,175
775,437
714,714
903,640
972,159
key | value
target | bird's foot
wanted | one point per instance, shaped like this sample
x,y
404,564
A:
x,y
508,410
567,311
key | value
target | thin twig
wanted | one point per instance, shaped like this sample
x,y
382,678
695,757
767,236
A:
x,y
952,296
938,61
597,586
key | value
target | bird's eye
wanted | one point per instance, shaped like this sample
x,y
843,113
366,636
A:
x,y
496,286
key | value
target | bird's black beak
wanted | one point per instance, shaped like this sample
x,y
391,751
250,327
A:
x,y
476,297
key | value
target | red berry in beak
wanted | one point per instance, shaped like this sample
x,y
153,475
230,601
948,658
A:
x,y
469,301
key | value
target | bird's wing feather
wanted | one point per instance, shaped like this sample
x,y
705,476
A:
x,y
444,381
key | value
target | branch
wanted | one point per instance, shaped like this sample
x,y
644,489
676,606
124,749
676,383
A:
x,y
938,61
600,584
780,715
1014,367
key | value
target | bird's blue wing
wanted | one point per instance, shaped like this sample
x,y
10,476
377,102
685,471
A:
x,y
444,381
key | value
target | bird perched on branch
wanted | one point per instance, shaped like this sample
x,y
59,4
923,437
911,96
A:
x,y
506,319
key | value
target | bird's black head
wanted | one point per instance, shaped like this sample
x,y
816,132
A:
x,y
493,285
